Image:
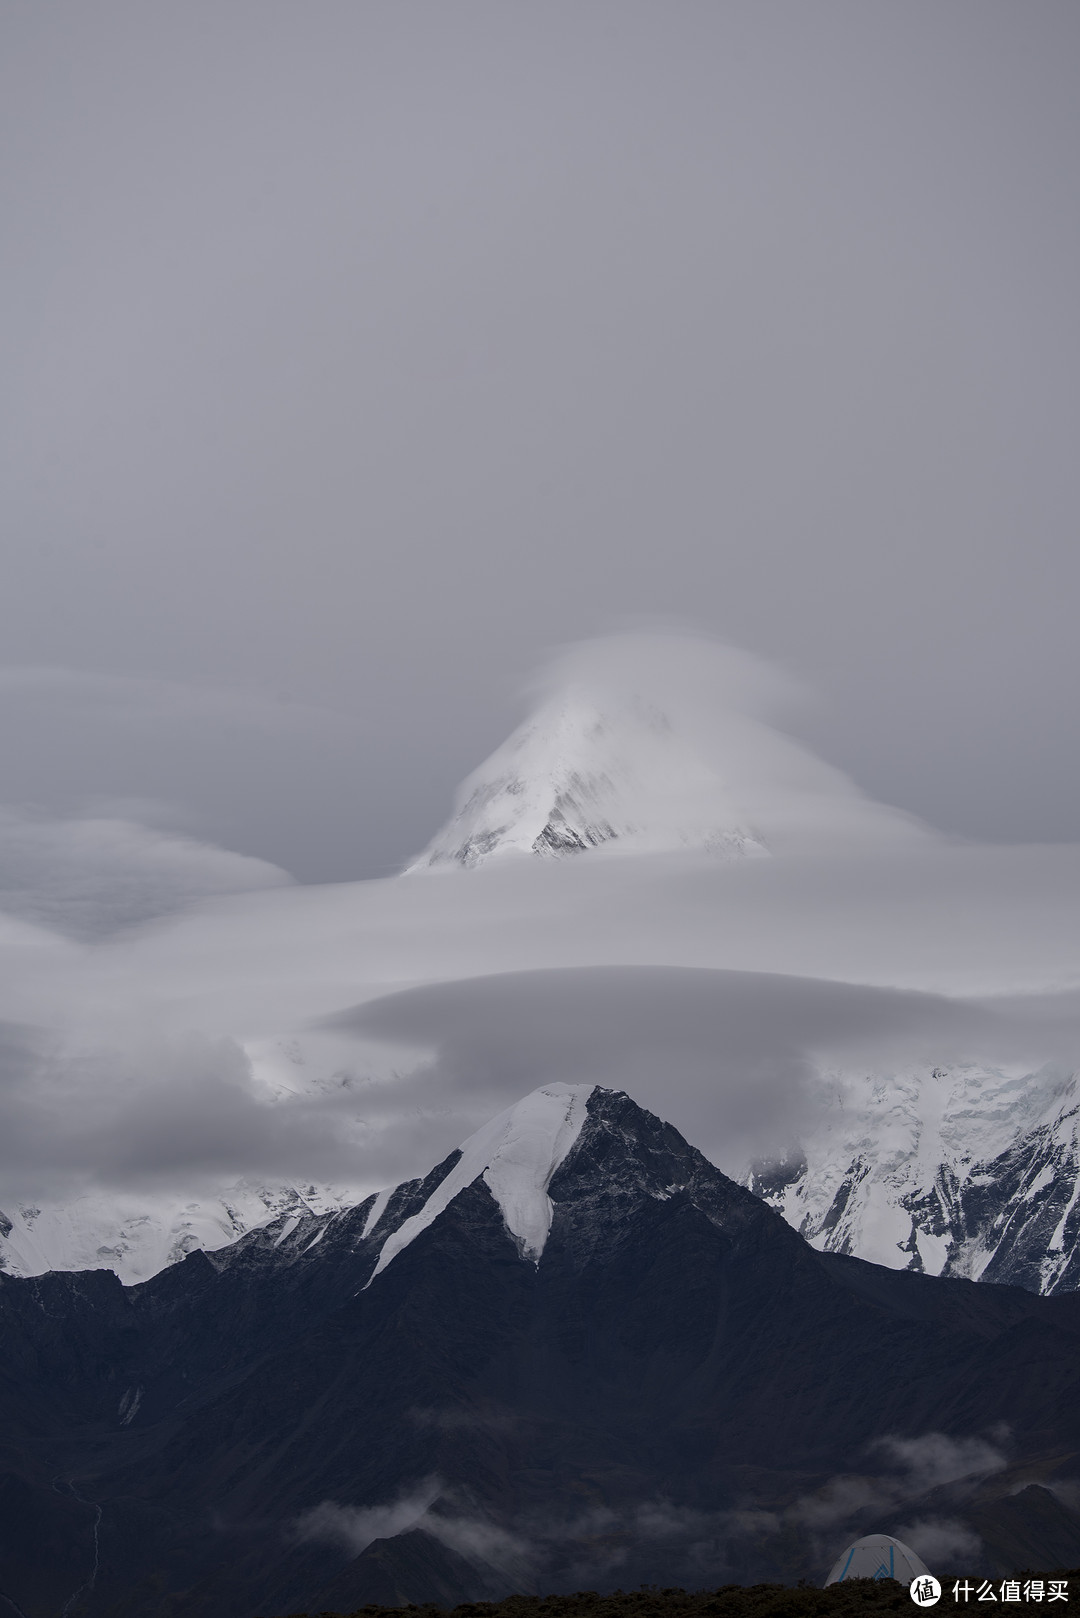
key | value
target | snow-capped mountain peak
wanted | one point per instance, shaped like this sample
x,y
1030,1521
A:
x,y
655,744
583,772
517,1154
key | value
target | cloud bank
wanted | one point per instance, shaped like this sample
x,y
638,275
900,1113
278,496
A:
x,y
380,1092
89,876
356,1032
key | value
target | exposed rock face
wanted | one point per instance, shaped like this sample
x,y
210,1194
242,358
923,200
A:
x,y
954,1170
594,1360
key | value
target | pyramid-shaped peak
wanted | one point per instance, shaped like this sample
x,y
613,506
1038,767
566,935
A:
x,y
599,762
578,1147
655,744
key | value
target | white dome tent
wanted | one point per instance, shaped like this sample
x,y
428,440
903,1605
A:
x,y
877,1556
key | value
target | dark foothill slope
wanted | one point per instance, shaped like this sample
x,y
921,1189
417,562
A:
x,y
668,1396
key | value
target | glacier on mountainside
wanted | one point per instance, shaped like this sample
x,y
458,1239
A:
x,y
516,1153
953,1170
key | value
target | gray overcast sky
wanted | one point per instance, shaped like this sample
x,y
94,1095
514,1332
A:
x,y
355,353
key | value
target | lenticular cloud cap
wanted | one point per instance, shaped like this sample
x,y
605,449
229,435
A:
x,y
877,1556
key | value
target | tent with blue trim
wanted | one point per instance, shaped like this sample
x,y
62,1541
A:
x,y
877,1556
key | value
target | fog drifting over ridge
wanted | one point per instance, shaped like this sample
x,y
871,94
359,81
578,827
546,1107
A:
x,y
354,1033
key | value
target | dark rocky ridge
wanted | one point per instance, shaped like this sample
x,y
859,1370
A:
x,y
663,1398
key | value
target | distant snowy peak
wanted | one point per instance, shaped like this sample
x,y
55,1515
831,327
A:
x,y
957,1170
136,1239
658,744
516,1154
583,773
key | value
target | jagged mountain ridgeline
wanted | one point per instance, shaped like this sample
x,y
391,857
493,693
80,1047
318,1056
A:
x,y
954,1170
573,1354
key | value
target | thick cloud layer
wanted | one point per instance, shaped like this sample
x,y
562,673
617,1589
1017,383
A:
x,y
357,1032
374,1094
91,875
724,1055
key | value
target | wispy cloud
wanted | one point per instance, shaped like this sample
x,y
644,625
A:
x,y
942,1542
354,1528
87,876
934,1458
915,1468
428,1505
705,1543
